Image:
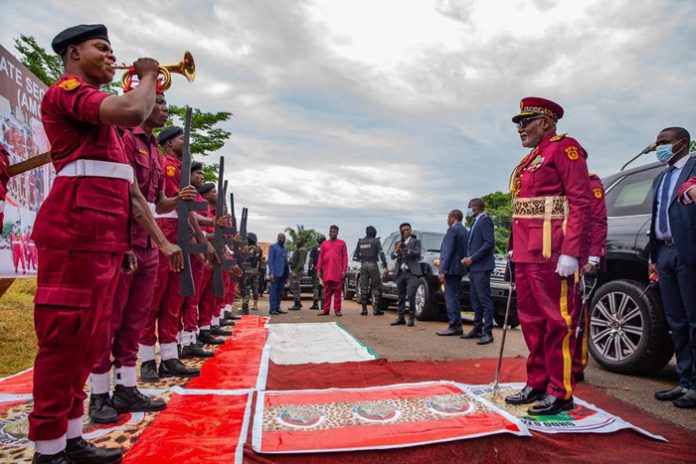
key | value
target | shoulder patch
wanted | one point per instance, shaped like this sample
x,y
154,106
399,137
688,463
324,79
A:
x,y
572,152
143,151
171,171
69,84
557,138
597,193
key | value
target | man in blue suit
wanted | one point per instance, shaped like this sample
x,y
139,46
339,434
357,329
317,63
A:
x,y
481,263
277,273
452,251
673,257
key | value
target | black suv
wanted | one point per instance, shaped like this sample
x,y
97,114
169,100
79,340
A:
x,y
629,333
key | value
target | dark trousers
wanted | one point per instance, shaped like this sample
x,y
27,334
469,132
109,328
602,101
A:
x,y
407,283
453,300
276,289
369,276
678,291
480,293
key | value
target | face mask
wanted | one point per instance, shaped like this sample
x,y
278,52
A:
x,y
469,212
664,153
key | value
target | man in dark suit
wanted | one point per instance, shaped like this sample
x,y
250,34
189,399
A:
x,y
673,257
481,263
277,273
407,254
454,248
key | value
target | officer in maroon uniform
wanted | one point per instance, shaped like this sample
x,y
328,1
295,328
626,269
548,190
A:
x,y
4,179
82,235
597,240
134,292
551,195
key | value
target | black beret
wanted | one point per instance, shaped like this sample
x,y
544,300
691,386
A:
x,y
76,35
207,187
196,166
251,237
169,133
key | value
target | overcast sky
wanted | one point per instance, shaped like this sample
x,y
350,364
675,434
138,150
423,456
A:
x,y
381,111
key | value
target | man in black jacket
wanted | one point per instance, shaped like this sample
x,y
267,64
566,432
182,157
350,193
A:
x,y
368,250
407,254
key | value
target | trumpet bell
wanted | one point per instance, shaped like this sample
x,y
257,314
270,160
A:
x,y
186,67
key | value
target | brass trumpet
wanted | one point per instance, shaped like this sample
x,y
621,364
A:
x,y
185,67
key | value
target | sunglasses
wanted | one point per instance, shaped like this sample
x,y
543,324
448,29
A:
x,y
527,121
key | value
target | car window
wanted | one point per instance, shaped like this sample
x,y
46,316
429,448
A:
x,y
632,195
388,245
431,241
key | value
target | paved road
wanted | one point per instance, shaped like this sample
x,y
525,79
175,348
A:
x,y
420,343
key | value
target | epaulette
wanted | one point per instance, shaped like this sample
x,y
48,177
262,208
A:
x,y
557,138
69,84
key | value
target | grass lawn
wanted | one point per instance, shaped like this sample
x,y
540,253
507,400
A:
x,y
17,336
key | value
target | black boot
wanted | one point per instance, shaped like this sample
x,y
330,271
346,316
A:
x,y
175,368
399,320
101,410
60,458
314,306
194,350
206,338
217,330
243,312
148,371
411,321
130,399
226,323
550,406
525,396
80,451
364,310
296,307
378,312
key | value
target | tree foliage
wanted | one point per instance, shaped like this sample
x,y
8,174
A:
x,y
309,237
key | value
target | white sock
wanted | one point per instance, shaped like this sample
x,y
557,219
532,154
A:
x,y
100,383
215,321
204,327
147,353
54,446
74,428
169,351
228,308
125,375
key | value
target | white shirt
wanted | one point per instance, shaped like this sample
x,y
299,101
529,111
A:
x,y
678,166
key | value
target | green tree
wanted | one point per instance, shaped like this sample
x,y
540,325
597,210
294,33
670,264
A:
x,y
309,237
205,137
692,146
48,67
499,209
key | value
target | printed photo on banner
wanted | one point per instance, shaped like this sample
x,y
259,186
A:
x,y
23,136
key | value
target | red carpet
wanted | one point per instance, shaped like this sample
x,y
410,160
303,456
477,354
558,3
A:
x,y
621,447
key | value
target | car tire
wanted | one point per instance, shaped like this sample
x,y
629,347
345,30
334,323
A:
x,y
499,318
628,333
426,309
347,293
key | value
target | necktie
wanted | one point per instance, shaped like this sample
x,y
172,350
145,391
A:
x,y
664,199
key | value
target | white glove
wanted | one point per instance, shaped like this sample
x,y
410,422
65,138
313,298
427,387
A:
x,y
510,254
567,265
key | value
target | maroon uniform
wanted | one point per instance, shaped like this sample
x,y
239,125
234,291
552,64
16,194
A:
x,y
4,179
551,200
597,240
81,232
686,186
134,291
206,305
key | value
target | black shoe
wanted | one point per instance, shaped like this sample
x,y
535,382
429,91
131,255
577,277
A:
x,y
207,338
274,312
580,377
228,316
485,340
399,321
449,333
217,330
130,399
314,307
101,411
60,458
472,334
280,311
364,310
687,400
80,451
226,323
378,312
525,396
148,371
194,350
550,406
243,312
411,322
296,307
175,368
671,395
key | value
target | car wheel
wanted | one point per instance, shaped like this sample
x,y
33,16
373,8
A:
x,y
426,309
628,333
347,293
499,317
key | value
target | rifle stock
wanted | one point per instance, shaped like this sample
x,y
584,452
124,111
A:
x,y
219,238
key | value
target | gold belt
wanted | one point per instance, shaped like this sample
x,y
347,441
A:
x,y
546,208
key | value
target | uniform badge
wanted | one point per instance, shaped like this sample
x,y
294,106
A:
x,y
69,84
597,193
557,138
536,163
572,152
143,151
171,171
